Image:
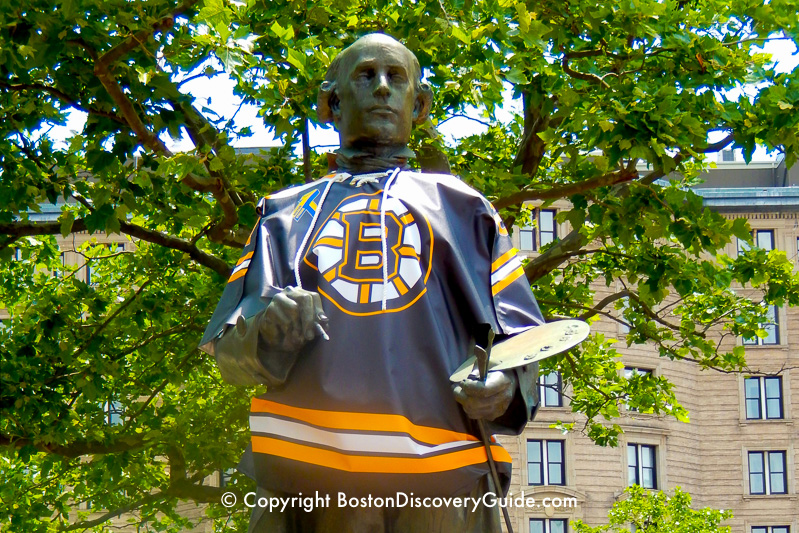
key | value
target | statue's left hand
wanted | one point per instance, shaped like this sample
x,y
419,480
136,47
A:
x,y
487,400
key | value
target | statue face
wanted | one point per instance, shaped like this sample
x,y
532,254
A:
x,y
376,95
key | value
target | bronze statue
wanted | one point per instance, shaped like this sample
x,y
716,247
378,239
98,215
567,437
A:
x,y
355,299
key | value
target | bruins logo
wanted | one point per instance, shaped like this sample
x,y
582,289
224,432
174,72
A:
x,y
347,251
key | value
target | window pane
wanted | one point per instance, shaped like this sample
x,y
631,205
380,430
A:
x,y
546,226
557,526
776,466
753,409
535,475
755,462
756,477
648,478
742,246
759,530
780,529
547,221
533,451
556,474
773,397
526,241
555,451
752,394
773,388
773,408
632,465
765,239
777,482
752,387
647,456
536,526
771,334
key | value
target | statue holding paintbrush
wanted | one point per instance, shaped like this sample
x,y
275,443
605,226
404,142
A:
x,y
356,297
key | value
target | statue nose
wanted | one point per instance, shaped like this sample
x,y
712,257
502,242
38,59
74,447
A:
x,y
382,87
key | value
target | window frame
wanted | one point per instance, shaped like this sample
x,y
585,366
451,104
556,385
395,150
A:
x,y
545,464
544,386
113,249
638,467
546,524
536,233
758,341
771,529
114,413
762,398
767,473
742,246
641,372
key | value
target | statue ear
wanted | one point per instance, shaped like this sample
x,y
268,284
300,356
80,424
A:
x,y
424,101
327,102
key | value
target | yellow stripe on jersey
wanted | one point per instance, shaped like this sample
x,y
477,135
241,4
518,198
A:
x,y
237,275
502,259
507,280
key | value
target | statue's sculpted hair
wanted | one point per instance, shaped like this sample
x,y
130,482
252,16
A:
x,y
328,98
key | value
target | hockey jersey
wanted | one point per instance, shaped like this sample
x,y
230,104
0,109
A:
x,y
409,266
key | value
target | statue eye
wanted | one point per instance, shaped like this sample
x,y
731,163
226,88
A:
x,y
366,74
397,75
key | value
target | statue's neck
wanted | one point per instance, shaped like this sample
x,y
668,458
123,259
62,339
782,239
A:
x,y
372,159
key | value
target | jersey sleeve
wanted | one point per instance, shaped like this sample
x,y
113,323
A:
x,y
250,286
514,304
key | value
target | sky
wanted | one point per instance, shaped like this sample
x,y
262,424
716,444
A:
x,y
217,94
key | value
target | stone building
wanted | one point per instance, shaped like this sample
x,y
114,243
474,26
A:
x,y
739,452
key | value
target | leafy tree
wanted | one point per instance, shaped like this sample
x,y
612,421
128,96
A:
x,y
656,512
604,87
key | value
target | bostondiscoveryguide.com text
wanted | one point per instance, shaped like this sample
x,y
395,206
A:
x,y
399,500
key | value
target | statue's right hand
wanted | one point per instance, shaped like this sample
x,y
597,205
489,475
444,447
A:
x,y
292,318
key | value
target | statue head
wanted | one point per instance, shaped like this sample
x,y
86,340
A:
x,y
373,94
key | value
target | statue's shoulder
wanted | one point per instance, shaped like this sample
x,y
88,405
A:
x,y
294,191
449,184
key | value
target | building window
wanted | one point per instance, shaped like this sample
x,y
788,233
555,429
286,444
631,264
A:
x,y
624,305
771,529
545,462
550,390
113,248
57,272
531,238
771,327
629,372
548,525
113,413
767,473
225,476
727,156
763,397
641,469
763,239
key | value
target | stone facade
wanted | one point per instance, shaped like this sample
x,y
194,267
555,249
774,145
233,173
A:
x,y
708,457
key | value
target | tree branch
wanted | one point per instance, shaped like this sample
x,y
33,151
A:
x,y
72,102
554,256
605,180
22,229
77,448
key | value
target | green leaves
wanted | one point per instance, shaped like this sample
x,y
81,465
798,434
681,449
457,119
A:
x,y
578,102
658,512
